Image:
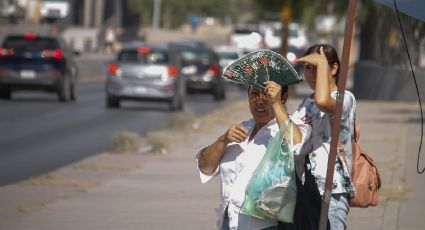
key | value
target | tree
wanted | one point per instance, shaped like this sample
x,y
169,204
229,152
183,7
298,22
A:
x,y
284,7
381,40
177,12
301,11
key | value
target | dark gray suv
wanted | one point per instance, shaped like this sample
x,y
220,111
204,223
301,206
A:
x,y
37,61
200,68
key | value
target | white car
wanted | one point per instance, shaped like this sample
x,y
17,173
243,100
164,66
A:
x,y
227,55
246,39
54,9
297,36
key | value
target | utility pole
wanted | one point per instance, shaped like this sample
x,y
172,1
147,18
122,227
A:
x,y
285,17
156,14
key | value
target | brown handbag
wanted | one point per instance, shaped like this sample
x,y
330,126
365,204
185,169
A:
x,y
365,177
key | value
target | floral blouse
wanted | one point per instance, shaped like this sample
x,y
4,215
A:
x,y
318,144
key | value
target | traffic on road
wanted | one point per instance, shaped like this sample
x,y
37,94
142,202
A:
x,y
138,87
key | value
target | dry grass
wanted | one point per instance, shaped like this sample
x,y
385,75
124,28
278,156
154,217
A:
x,y
99,166
125,142
397,193
57,180
393,164
227,115
159,141
26,208
183,121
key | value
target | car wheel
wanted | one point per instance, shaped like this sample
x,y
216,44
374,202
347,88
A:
x,y
64,93
5,94
219,93
112,102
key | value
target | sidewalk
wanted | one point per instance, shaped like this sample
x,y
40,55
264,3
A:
x,y
147,191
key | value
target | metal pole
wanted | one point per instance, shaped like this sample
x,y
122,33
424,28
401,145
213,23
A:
x,y
119,13
348,35
156,14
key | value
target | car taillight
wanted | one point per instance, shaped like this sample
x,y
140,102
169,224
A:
x,y
113,69
144,50
214,70
172,71
6,52
56,54
30,36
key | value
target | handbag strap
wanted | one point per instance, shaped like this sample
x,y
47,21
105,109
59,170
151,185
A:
x,y
356,132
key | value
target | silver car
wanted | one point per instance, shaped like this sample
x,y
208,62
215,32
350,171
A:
x,y
143,72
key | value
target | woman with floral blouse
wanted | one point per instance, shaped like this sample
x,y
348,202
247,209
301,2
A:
x,y
321,73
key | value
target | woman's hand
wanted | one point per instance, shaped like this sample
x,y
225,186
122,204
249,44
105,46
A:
x,y
274,91
236,133
315,59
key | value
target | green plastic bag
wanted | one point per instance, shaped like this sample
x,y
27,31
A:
x,y
271,191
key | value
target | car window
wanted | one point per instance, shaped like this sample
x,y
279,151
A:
x,y
243,31
191,56
227,55
277,32
153,57
36,44
293,33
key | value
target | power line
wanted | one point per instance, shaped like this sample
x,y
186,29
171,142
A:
x,y
417,90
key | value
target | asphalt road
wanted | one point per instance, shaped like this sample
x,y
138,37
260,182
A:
x,y
40,134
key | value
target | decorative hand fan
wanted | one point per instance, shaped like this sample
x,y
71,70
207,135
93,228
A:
x,y
260,66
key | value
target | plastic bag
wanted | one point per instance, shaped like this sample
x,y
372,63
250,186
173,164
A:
x,y
271,191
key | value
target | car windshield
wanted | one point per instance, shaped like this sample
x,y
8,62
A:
x,y
291,32
152,57
35,44
244,31
192,56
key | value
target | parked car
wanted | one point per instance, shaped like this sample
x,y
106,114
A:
x,y
143,72
297,36
51,10
200,68
36,61
227,55
246,38
272,35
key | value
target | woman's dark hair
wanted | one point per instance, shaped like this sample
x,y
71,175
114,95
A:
x,y
330,53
